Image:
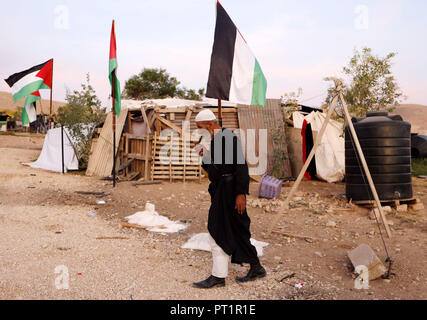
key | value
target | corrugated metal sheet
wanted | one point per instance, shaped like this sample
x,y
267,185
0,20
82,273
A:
x,y
101,160
269,117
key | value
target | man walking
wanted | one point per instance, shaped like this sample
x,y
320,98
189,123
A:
x,y
228,221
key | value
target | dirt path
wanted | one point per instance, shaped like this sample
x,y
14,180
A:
x,y
45,224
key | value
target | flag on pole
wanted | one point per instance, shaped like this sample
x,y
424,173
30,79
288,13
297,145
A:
x,y
29,113
235,74
29,81
113,71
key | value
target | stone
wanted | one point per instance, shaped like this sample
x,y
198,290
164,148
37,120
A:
x,y
417,207
402,208
331,224
365,256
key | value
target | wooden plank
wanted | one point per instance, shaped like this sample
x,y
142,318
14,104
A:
x,y
101,161
144,115
170,124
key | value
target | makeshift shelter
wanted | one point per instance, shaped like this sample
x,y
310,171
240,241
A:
x,y
141,148
51,156
330,157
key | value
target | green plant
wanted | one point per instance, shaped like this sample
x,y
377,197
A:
x,y
290,103
81,115
372,85
157,84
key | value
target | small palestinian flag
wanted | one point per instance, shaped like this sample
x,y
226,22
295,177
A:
x,y
29,113
30,81
235,74
115,85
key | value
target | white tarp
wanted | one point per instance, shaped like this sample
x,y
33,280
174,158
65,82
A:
x,y
330,156
200,241
155,222
51,156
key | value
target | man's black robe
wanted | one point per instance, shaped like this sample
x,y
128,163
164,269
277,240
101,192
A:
x,y
229,176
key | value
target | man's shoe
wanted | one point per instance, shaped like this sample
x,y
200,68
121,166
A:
x,y
253,274
210,283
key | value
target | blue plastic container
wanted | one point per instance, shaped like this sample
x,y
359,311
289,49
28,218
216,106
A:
x,y
270,187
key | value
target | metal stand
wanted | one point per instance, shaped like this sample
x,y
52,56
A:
x,y
339,97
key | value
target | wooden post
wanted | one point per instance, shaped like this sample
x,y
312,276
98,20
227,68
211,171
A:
x,y
220,112
147,151
364,164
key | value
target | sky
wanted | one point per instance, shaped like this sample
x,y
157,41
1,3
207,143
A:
x,y
297,43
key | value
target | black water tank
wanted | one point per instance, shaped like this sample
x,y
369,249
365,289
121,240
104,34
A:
x,y
386,144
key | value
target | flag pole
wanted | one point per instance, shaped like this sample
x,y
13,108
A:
x,y
220,112
62,147
51,91
114,129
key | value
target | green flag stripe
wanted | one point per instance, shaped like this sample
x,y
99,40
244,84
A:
x,y
25,119
259,86
29,89
112,73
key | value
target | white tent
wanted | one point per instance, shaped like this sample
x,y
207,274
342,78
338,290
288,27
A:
x,y
51,156
330,156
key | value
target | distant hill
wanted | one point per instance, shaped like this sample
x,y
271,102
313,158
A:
x,y
416,114
7,104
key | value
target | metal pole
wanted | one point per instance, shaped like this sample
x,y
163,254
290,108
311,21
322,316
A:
x,y
114,129
365,165
62,147
51,103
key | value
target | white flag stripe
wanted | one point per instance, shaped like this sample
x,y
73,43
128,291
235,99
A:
x,y
29,78
31,112
242,79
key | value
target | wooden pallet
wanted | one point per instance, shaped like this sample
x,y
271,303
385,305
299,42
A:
x,y
173,160
391,203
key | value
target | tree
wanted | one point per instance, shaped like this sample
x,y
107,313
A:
x,y
81,115
157,84
372,85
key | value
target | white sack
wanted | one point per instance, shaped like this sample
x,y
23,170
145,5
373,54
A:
x,y
201,242
155,222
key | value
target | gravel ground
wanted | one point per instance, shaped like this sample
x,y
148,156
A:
x,y
45,225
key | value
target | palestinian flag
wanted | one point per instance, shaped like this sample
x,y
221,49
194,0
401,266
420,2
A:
x,y
115,85
29,113
235,74
30,81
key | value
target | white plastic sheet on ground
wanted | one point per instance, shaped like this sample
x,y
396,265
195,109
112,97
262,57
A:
x,y
330,156
201,242
155,222
51,156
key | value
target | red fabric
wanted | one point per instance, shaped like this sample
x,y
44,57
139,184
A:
x,y
113,46
304,148
46,73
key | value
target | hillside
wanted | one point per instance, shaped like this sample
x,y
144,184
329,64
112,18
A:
x,y
415,114
7,104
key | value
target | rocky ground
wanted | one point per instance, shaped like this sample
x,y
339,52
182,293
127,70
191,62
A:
x,y
46,227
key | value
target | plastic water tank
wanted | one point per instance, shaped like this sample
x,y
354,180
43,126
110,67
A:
x,y
386,144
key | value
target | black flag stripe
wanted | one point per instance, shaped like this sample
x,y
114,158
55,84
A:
x,y
18,76
221,69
